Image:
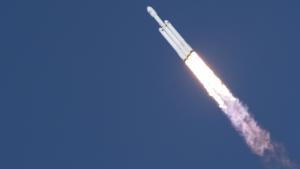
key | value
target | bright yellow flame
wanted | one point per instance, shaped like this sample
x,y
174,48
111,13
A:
x,y
257,138
207,77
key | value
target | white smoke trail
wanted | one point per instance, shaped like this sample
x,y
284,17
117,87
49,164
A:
x,y
256,138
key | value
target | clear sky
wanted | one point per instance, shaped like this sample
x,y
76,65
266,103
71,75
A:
x,y
92,84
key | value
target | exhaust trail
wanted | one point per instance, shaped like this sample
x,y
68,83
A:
x,y
257,138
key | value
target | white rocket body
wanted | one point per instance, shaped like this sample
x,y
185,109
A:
x,y
171,35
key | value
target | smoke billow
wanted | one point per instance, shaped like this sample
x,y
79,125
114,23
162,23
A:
x,y
257,138
274,154
277,158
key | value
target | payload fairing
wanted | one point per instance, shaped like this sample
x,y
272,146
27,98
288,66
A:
x,y
167,30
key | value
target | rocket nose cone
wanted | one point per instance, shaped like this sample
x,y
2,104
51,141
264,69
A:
x,y
150,10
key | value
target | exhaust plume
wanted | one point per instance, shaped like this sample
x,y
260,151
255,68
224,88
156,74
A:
x,y
257,138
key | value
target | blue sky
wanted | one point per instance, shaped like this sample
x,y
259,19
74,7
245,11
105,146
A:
x,y
92,84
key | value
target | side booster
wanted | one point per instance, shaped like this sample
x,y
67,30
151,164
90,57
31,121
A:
x,y
167,30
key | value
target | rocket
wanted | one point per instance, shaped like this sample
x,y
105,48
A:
x,y
257,138
168,31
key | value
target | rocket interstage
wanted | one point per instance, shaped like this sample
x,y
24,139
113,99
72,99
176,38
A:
x,y
257,138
